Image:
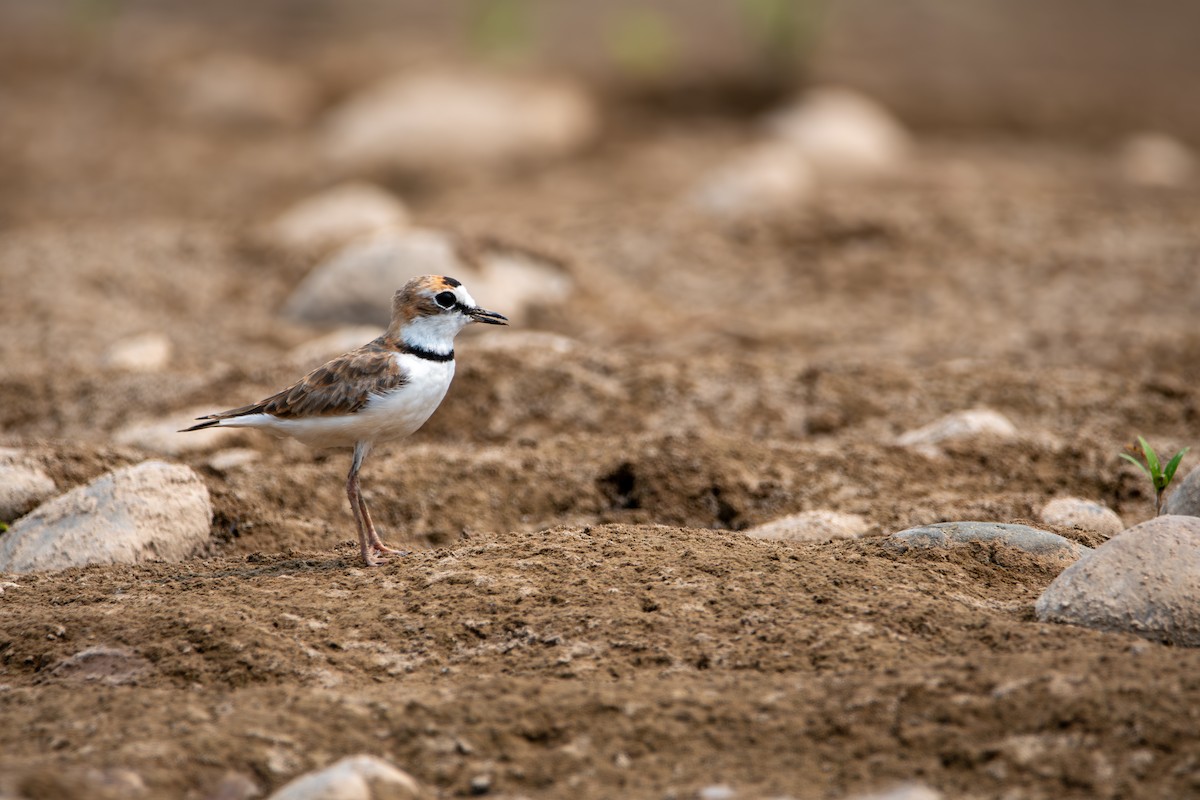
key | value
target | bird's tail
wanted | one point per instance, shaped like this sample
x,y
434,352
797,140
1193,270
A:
x,y
207,423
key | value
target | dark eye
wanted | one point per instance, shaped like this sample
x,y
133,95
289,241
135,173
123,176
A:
x,y
445,299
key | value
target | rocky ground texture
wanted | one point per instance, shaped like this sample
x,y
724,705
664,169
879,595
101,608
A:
x,y
652,525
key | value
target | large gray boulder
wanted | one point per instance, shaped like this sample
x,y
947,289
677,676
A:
x,y
150,511
1145,581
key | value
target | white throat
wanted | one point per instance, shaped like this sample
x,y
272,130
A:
x,y
435,334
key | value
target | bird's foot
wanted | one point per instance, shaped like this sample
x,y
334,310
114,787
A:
x,y
383,549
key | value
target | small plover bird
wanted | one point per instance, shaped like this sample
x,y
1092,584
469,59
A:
x,y
380,392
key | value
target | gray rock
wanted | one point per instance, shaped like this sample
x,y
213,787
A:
x,y
150,511
970,424
336,216
1184,499
113,666
811,526
22,487
1145,581
426,121
1086,515
1022,537
353,778
765,180
355,285
842,133
907,791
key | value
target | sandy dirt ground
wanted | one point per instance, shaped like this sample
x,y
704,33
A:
x,y
581,615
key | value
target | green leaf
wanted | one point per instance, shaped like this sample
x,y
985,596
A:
x,y
1151,458
1139,464
1173,465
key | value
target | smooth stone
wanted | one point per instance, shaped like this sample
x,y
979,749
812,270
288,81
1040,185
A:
x,y
1022,537
718,791
427,121
969,424
842,133
765,180
359,777
1184,499
112,666
355,285
147,352
812,526
232,459
149,511
336,216
239,90
22,488
1145,582
165,436
1155,159
907,791
1086,515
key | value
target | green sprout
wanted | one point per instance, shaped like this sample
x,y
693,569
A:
x,y
1160,476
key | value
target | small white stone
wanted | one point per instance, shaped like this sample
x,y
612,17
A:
x,y
234,458
437,120
1086,515
719,791
336,216
907,791
842,133
961,425
165,436
147,352
150,511
235,89
360,777
1155,159
22,487
765,180
812,526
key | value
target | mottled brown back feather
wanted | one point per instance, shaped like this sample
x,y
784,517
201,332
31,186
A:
x,y
341,386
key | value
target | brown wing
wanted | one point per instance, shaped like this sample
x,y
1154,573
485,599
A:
x,y
341,386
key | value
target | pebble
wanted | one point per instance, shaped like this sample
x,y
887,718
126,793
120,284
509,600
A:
x,y
238,90
431,120
842,133
336,216
1184,499
112,666
718,791
812,526
1155,159
1022,537
1086,515
361,777
1145,581
164,436
234,786
22,487
960,425
150,511
765,180
355,284
907,791
232,459
146,352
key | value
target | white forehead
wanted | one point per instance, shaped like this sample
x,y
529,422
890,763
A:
x,y
464,296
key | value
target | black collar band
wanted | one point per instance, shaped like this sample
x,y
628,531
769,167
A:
x,y
428,355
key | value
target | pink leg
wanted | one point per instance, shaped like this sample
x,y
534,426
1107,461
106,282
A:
x,y
358,508
372,535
